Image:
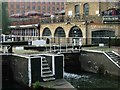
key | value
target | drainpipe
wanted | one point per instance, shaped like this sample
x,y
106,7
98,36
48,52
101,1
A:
x,y
86,27
38,28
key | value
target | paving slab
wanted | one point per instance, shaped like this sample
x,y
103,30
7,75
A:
x,y
58,84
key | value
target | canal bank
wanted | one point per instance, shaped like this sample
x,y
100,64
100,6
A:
x,y
103,62
73,64
17,73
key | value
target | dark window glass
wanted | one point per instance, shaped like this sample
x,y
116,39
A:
x,y
75,32
46,32
59,32
77,9
86,9
101,33
38,7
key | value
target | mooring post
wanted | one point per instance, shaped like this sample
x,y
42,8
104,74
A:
x,y
109,42
10,49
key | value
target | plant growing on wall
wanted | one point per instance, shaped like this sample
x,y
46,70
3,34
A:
x,y
36,85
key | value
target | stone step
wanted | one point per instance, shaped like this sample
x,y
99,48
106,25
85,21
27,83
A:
x,y
45,72
46,68
44,61
49,79
48,75
45,64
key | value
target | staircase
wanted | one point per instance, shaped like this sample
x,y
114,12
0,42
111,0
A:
x,y
114,57
46,72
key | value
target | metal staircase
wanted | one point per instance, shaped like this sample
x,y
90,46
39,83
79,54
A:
x,y
114,57
46,72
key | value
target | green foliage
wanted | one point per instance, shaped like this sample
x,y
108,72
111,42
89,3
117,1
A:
x,y
36,85
5,19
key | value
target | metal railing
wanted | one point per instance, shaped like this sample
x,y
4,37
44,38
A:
x,y
61,40
65,44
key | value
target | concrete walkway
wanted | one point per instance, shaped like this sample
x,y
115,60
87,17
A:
x,y
59,84
116,49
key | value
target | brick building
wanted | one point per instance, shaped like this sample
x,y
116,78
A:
x,y
42,7
88,10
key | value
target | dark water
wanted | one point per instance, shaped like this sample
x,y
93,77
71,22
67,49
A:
x,y
88,81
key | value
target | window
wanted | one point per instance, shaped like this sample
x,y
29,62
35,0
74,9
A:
x,y
77,9
43,8
28,6
62,3
33,7
101,33
43,2
86,9
53,3
75,32
11,5
48,8
38,7
53,8
17,6
58,3
59,32
23,6
33,3
46,32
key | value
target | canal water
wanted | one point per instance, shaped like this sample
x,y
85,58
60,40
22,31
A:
x,y
90,81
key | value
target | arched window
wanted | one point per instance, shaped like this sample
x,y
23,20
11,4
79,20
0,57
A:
x,y
86,9
46,32
59,32
77,10
75,32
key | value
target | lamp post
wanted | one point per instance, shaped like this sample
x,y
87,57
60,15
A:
x,y
38,28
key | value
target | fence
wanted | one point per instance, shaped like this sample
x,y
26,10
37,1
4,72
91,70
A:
x,y
108,41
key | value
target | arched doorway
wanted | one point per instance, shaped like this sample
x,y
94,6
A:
x,y
59,32
98,36
59,35
75,33
46,33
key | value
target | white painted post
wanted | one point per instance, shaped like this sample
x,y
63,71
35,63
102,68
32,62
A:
x,y
50,44
3,38
60,47
80,43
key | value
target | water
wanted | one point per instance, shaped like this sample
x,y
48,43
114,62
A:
x,y
90,81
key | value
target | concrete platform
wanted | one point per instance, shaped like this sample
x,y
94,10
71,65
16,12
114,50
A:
x,y
58,84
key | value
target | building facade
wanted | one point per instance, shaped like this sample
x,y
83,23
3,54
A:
x,y
88,10
79,25
42,7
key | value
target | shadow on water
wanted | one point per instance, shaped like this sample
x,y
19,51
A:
x,y
90,81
